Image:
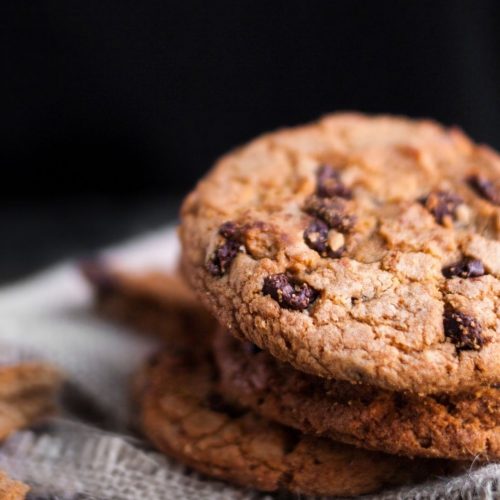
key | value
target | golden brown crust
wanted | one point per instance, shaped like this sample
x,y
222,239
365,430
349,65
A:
x,y
153,302
460,426
183,417
27,395
11,489
410,198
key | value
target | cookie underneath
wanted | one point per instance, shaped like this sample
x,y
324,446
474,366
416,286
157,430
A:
x,y
182,415
462,426
154,302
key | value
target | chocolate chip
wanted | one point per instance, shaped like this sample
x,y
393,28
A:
x,y
330,184
224,254
485,188
463,330
316,237
332,211
222,257
230,230
466,268
289,294
442,205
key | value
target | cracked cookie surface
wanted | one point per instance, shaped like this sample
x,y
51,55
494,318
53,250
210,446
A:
x,y
181,413
461,426
357,248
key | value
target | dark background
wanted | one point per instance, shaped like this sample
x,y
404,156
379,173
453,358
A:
x,y
110,110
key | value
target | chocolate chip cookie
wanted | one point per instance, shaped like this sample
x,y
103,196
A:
x,y
358,248
183,416
27,395
10,489
459,426
152,302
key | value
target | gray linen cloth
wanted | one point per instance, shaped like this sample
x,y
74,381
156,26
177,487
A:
x,y
90,452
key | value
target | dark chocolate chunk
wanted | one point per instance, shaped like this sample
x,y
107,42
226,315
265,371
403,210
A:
x,y
287,293
330,184
332,211
463,330
485,188
466,268
225,253
222,257
316,237
442,205
230,230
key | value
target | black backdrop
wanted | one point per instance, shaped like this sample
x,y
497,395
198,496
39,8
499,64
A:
x,y
134,100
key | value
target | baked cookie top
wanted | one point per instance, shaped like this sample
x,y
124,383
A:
x,y
358,248
461,426
181,412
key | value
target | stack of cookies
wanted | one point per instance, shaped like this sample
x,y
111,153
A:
x,y
353,268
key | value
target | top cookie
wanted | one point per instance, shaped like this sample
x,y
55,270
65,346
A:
x,y
358,248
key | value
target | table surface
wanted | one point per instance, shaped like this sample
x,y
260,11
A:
x,y
38,234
